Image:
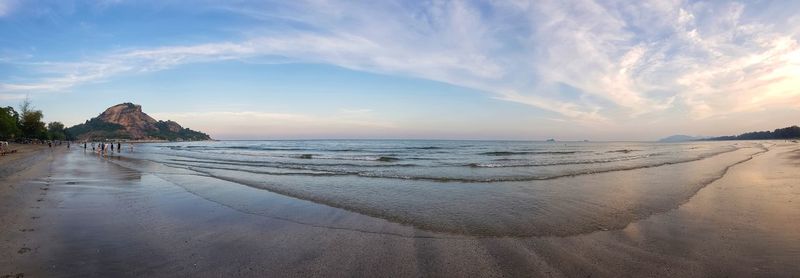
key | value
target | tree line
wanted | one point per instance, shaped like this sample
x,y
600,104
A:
x,y
792,132
26,124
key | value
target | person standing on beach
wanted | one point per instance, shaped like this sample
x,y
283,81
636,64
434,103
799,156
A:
x,y
119,147
112,147
50,144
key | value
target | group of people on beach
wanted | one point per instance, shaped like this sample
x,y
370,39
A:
x,y
51,143
105,149
101,148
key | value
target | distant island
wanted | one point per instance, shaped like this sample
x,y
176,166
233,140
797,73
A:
x,y
127,121
792,132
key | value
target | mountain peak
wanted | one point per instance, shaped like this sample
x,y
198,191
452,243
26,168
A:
x,y
126,106
128,121
131,118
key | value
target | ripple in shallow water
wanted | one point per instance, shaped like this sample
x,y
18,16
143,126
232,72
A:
x,y
564,205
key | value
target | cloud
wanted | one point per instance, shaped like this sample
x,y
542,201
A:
x,y
589,61
7,97
7,6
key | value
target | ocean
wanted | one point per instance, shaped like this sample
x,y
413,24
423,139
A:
x,y
475,188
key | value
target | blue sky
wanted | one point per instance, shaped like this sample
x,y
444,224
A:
x,y
571,70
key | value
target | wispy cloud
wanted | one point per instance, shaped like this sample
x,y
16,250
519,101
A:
x,y
7,6
12,97
585,60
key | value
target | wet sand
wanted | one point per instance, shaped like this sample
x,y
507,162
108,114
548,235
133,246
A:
x,y
25,155
73,214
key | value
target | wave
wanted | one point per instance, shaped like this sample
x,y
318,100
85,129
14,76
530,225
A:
x,y
424,148
622,151
287,165
586,220
387,159
314,174
532,209
307,156
508,153
540,177
263,148
541,164
486,179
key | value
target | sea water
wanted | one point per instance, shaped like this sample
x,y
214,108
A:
x,y
478,188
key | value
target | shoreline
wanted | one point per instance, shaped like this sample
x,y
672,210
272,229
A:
x,y
97,218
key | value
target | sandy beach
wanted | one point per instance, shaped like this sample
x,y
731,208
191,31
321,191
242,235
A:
x,y
24,156
70,213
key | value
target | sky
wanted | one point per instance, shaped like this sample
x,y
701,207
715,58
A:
x,y
522,70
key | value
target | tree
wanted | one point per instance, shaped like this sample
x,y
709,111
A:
x,y
787,133
55,131
9,123
26,106
30,122
792,132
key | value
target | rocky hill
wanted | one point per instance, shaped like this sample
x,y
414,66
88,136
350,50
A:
x,y
127,121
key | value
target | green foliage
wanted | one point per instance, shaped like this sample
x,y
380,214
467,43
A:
x,y
9,123
30,121
95,129
165,133
32,126
787,133
56,131
792,132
